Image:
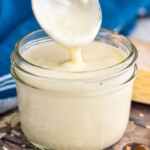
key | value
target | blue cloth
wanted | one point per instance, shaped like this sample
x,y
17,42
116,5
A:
x,y
16,20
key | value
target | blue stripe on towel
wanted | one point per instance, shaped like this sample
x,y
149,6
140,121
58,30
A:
x,y
11,92
7,93
7,82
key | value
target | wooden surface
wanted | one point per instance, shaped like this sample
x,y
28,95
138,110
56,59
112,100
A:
x,y
141,90
136,132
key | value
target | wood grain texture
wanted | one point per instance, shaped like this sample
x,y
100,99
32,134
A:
x,y
136,133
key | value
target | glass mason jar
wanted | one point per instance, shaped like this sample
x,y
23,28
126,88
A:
x,y
64,110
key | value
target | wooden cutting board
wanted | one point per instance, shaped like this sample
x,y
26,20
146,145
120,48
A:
x,y
141,91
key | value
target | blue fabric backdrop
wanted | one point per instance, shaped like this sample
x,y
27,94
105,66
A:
x,y
16,20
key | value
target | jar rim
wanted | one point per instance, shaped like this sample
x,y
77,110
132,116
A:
x,y
132,55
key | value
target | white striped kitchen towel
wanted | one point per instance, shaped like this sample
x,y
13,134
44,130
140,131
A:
x,y
8,98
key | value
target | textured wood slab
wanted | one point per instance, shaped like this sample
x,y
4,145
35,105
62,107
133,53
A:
x,y
141,90
136,133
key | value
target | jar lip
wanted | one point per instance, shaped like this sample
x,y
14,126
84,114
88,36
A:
x,y
130,55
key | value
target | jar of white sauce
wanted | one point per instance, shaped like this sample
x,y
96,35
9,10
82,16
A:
x,y
74,110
